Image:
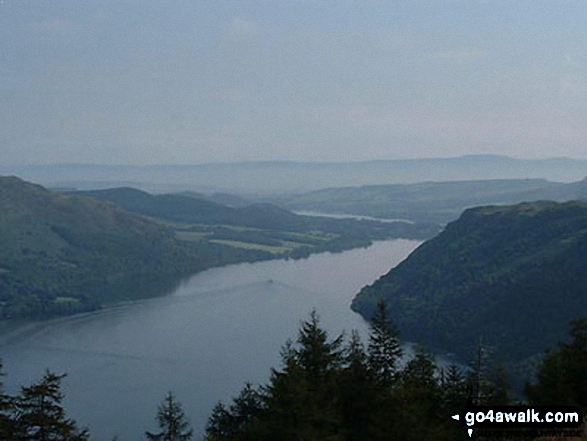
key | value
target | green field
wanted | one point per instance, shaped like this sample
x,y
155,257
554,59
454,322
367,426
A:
x,y
252,246
275,242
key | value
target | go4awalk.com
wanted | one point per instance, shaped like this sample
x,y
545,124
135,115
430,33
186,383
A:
x,y
558,421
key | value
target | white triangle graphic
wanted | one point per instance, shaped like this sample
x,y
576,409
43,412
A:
x,y
470,432
455,417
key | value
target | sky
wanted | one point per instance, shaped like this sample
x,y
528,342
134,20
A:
x,y
196,81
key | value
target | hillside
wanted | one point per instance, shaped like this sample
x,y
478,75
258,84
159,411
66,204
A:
x,y
187,209
510,276
64,253
432,201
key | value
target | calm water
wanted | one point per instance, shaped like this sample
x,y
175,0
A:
x,y
217,330
352,216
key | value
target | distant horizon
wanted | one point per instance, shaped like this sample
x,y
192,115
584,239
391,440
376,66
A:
x,y
290,176
296,161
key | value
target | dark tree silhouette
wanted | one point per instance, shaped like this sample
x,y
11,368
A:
x,y
6,409
562,377
40,416
384,350
172,422
327,390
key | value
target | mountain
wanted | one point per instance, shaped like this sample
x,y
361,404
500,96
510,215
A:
x,y
276,177
69,253
432,201
174,207
190,210
510,276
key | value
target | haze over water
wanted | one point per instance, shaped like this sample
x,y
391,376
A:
x,y
217,330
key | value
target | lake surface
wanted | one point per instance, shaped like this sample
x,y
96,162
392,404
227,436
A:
x,y
218,329
351,216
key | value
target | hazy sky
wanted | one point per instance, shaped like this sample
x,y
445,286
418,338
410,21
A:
x,y
178,81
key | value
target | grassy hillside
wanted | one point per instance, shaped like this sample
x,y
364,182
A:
x,y
63,253
432,201
510,276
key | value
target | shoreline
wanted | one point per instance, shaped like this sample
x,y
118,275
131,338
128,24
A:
x,y
11,329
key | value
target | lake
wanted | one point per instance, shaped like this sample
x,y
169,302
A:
x,y
203,341
351,216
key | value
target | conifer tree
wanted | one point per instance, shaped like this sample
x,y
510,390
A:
x,y
358,392
316,355
247,408
418,400
454,390
6,410
219,426
384,350
239,420
172,422
40,416
419,371
454,397
477,382
487,383
325,393
286,396
302,398
562,376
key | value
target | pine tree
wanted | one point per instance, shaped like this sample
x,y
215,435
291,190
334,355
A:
x,y
454,397
316,355
40,416
562,376
418,400
419,371
358,392
172,422
302,398
219,426
384,350
239,420
477,382
453,385
286,396
487,382
6,410
246,409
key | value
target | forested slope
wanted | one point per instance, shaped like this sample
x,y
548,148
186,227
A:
x,y
511,277
63,253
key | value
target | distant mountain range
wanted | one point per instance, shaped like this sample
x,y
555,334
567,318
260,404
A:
x,y
431,201
509,277
295,177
